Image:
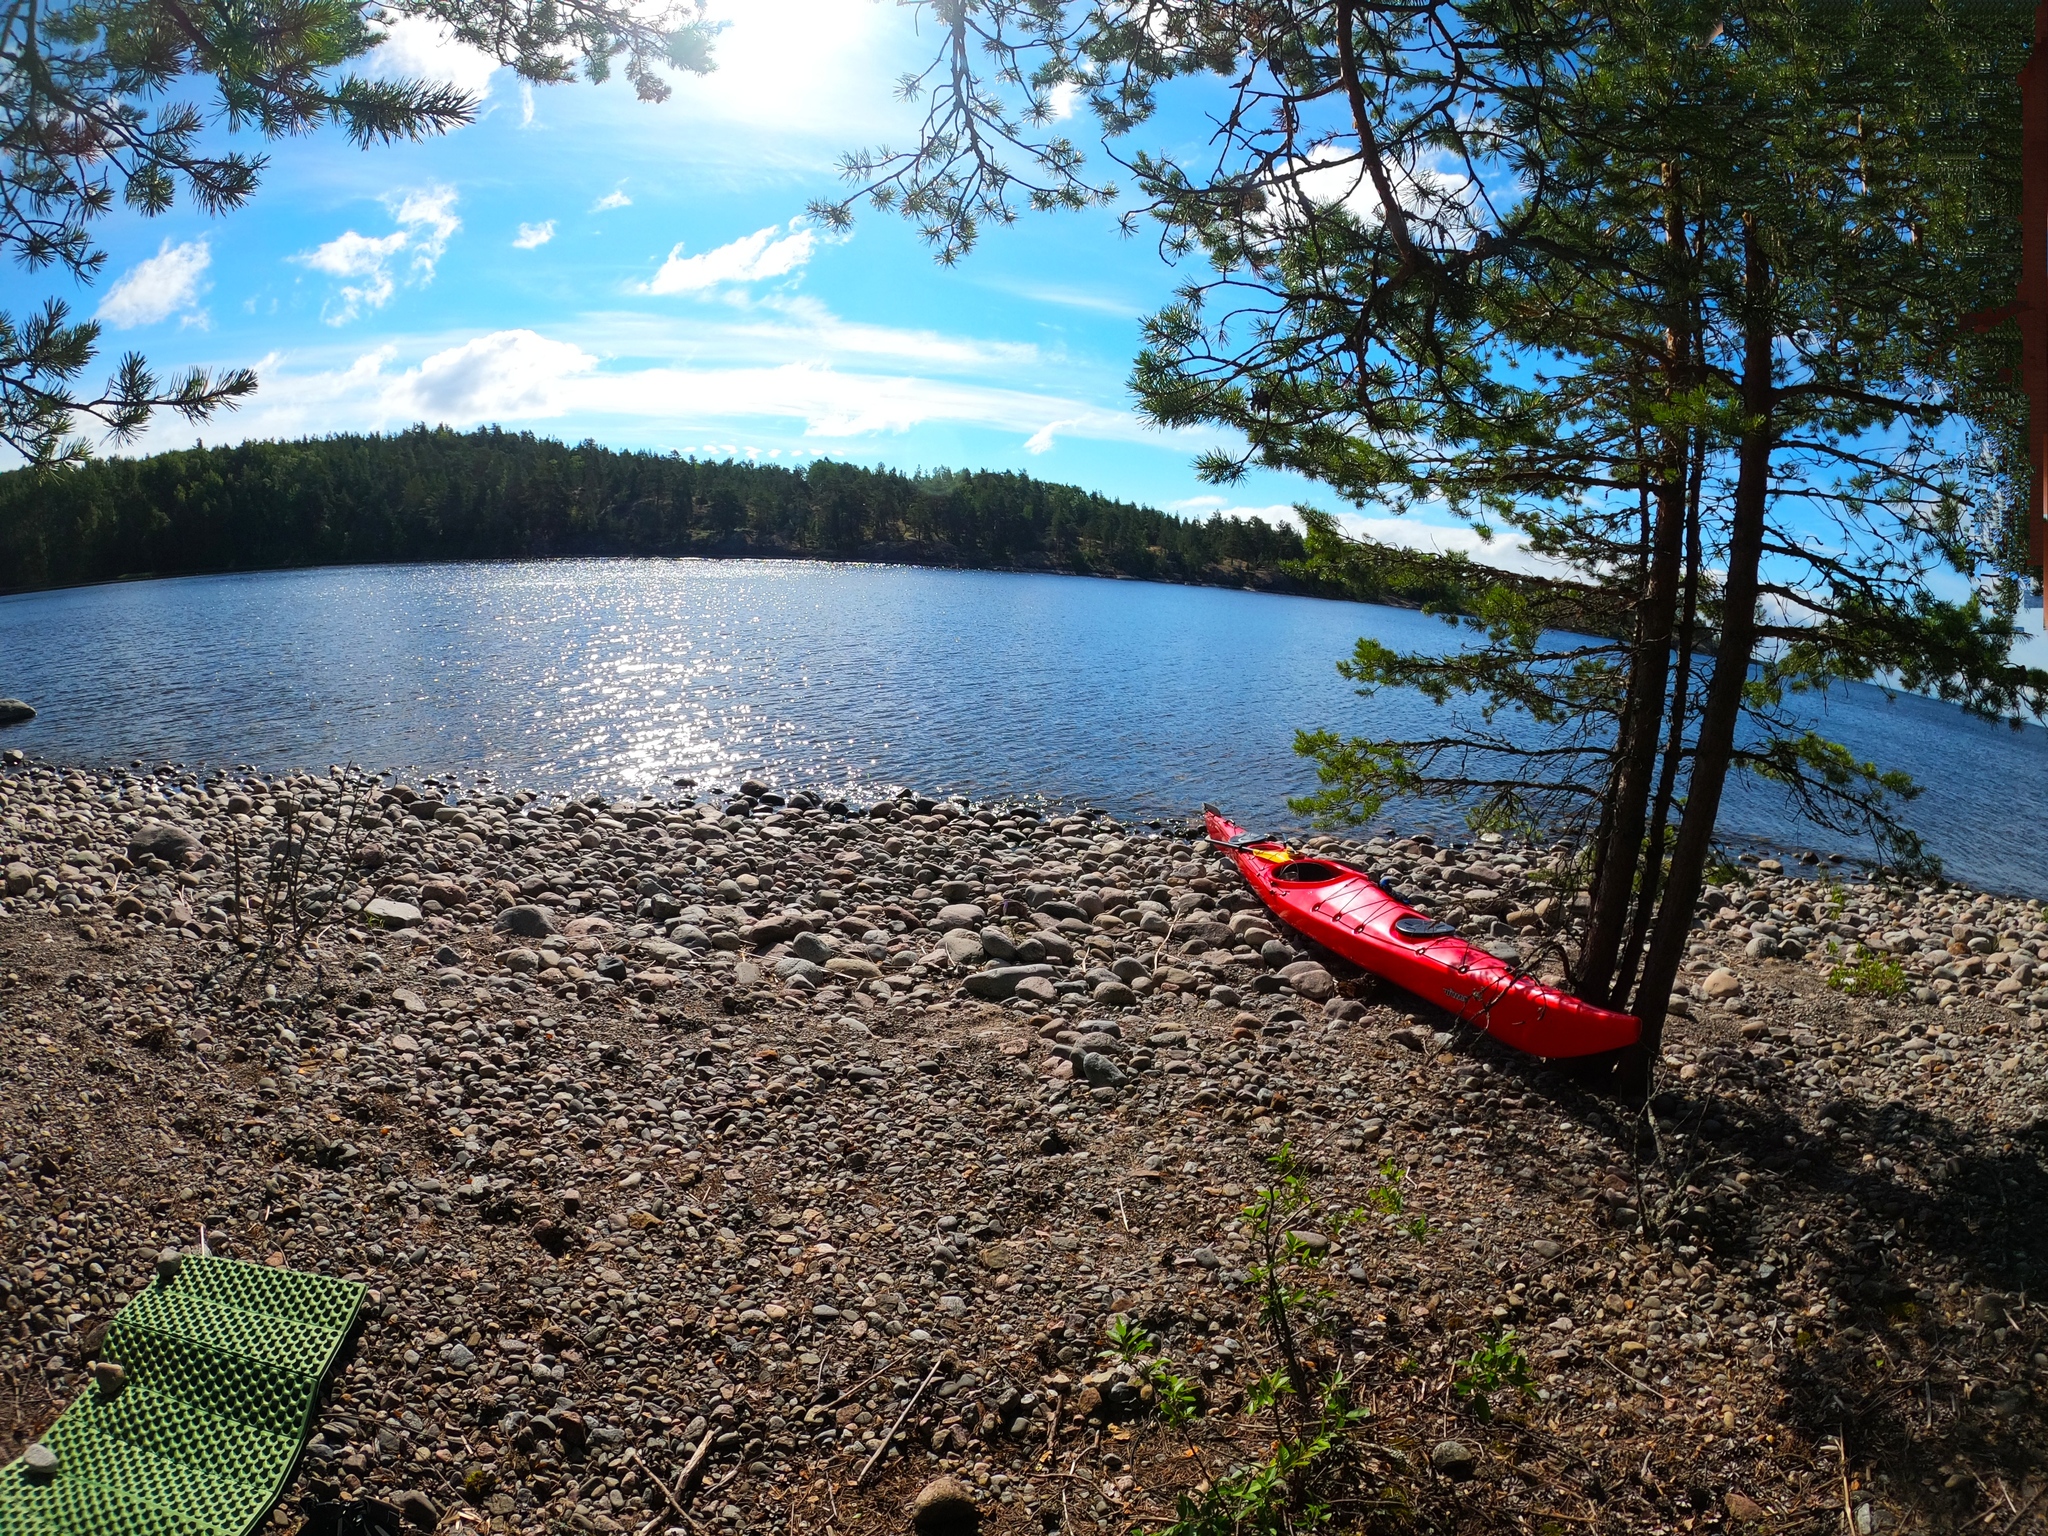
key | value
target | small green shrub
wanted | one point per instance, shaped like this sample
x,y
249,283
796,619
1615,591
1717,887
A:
x,y
1321,1473
1871,976
1385,1195
1128,1341
1497,1363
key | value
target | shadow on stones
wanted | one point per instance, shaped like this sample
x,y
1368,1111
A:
x,y
1918,1368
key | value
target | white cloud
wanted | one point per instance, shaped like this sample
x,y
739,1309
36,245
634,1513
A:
x,y
350,255
612,199
502,375
421,48
1044,439
531,235
429,216
797,328
168,282
1337,175
1508,550
526,104
1223,506
764,254
521,374
1504,551
427,222
1060,100
1069,298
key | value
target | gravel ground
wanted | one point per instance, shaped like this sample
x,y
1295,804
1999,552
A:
x,y
790,1133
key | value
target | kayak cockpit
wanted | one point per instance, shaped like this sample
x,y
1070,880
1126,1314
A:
x,y
1308,872
1418,927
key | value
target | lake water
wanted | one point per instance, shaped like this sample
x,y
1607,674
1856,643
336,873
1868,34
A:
x,y
625,675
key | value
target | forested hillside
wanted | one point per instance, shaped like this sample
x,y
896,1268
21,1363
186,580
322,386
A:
x,y
436,494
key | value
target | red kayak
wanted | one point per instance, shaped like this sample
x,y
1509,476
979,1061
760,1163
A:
x,y
1347,911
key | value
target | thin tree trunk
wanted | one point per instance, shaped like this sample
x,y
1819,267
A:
x,y
1715,747
1674,744
1622,848
1641,729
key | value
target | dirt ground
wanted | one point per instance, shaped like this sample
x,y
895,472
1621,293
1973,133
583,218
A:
x,y
606,1226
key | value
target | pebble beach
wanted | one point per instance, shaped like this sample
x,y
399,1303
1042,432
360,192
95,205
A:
x,y
749,1159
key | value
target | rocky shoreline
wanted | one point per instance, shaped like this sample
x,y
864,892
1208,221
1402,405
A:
x,y
818,1137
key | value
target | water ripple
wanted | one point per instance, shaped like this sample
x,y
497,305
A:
x,y
628,674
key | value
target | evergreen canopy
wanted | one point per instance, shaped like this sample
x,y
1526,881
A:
x,y
1672,290
436,494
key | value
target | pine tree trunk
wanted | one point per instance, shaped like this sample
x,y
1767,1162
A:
x,y
1674,745
1715,747
1641,728
1621,872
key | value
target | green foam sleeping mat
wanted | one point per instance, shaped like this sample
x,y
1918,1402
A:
x,y
225,1363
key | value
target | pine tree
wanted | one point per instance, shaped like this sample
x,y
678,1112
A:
x,y
1670,291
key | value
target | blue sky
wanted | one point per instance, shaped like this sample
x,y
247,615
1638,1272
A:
x,y
584,264
581,263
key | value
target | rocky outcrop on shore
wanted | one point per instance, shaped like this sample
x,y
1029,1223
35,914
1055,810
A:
x,y
772,1155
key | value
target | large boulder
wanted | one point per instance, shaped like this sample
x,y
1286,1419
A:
x,y
13,712
814,947
793,967
960,914
1001,982
390,913
161,840
526,922
944,1507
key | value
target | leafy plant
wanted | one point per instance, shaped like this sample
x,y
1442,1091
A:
x,y
1130,1345
1286,1263
1295,1489
1178,1399
1128,1341
1723,871
1385,1195
1318,1474
1870,976
1497,1363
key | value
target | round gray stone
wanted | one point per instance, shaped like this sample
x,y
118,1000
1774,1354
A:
x,y
1454,1459
156,839
944,1507
527,922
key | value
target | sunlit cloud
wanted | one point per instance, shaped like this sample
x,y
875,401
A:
x,y
766,253
168,283
521,374
611,200
421,48
1505,550
1069,297
532,235
427,222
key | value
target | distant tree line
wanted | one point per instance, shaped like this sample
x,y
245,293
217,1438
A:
x,y
437,494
